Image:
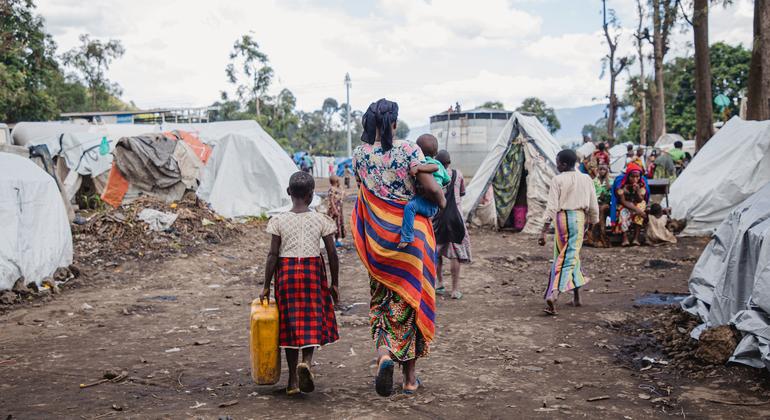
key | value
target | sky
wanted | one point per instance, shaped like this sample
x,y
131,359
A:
x,y
426,55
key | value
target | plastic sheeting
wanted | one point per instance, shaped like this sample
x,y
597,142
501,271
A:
x,y
618,154
730,283
247,176
585,150
35,231
731,167
540,149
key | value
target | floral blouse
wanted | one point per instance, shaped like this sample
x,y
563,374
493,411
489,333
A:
x,y
386,174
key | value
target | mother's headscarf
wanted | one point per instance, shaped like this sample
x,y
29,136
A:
x,y
381,114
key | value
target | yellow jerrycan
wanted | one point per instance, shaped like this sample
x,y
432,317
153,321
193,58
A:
x,y
263,343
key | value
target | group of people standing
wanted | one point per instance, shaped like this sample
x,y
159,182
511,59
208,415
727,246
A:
x,y
406,220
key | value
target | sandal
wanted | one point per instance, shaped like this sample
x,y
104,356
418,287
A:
x,y
383,383
305,378
457,295
292,391
412,391
440,290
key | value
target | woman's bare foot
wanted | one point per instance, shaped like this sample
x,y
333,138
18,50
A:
x,y
551,306
576,301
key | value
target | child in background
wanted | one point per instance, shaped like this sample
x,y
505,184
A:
x,y
348,173
305,302
657,226
571,203
419,204
334,200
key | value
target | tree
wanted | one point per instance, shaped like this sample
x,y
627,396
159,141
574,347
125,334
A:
x,y
642,34
250,67
27,64
543,112
492,105
758,103
729,69
402,130
614,66
664,14
91,60
704,109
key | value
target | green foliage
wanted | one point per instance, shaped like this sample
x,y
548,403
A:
x,y
249,71
543,112
91,60
27,64
729,71
402,130
492,105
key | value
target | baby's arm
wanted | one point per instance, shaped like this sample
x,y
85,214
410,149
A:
x,y
425,168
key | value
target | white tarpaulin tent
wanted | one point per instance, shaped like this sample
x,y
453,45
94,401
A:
x,y
667,140
730,283
618,154
732,166
247,175
526,136
585,150
35,231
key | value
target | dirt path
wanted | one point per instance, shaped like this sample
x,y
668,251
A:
x,y
495,355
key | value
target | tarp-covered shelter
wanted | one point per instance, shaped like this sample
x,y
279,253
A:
x,y
519,168
35,231
618,155
731,167
730,283
247,175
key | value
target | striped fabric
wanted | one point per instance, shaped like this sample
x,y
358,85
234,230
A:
x,y
566,272
409,272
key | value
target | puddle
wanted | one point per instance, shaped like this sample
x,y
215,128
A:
x,y
162,298
661,264
660,299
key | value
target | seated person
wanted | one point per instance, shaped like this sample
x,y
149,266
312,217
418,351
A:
x,y
657,226
630,195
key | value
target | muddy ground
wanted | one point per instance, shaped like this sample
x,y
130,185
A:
x,y
178,328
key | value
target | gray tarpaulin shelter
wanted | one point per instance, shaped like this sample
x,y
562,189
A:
x,y
524,154
730,283
731,167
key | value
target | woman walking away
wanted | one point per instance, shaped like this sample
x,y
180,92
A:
x,y
402,309
571,200
305,302
451,235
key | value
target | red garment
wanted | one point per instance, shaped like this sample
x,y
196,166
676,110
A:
x,y
602,158
305,306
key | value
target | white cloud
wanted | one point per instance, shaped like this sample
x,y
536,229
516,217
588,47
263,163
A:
x,y
426,55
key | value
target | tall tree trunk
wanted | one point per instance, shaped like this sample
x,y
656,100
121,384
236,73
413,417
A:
x,y
612,110
704,111
642,79
658,102
758,100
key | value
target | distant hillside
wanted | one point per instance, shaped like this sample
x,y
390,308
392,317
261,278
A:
x,y
573,119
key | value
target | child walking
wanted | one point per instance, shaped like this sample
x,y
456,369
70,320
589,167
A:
x,y
571,200
305,302
419,204
334,200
